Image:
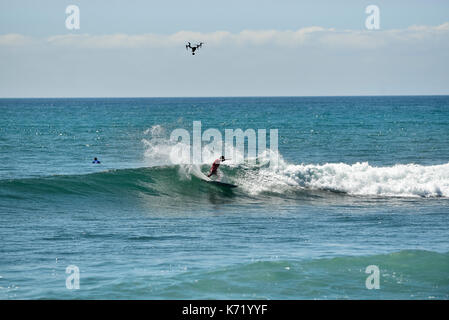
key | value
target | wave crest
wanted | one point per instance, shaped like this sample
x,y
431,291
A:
x,y
361,179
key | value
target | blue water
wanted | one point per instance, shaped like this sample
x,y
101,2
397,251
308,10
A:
x,y
361,181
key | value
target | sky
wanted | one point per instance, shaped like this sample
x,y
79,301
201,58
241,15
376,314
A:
x,y
136,48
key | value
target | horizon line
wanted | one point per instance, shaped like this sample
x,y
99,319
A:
x,y
249,96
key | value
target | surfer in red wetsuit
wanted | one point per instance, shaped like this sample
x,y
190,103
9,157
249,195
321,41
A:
x,y
215,165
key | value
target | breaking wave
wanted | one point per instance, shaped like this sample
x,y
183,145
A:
x,y
255,177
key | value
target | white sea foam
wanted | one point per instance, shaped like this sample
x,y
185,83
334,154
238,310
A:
x,y
401,180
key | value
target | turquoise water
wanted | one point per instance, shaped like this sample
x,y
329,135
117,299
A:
x,y
361,181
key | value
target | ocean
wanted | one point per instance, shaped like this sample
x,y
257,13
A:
x,y
360,182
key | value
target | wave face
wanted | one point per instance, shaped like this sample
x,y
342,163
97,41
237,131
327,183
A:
x,y
285,180
257,178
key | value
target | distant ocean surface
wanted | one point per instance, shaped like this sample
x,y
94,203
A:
x,y
361,181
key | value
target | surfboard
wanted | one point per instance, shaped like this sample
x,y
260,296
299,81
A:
x,y
221,184
205,178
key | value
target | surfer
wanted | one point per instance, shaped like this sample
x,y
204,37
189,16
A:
x,y
96,160
215,165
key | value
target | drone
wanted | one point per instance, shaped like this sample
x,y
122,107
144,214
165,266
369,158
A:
x,y
194,48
